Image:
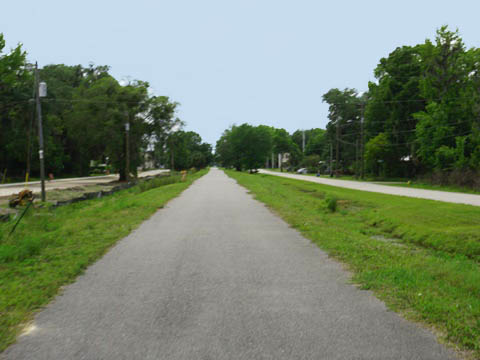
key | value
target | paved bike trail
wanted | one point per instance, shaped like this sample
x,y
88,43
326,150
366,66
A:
x,y
216,275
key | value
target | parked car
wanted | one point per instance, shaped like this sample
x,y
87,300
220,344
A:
x,y
302,171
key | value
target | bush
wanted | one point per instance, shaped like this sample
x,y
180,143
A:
x,y
157,182
331,203
464,178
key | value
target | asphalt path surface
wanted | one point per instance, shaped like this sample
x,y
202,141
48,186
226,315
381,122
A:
x,y
215,275
10,189
452,197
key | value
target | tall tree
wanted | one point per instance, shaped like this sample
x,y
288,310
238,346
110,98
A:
x,y
244,147
450,86
15,112
343,129
392,104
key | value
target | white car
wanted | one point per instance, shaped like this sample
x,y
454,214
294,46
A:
x,y
302,171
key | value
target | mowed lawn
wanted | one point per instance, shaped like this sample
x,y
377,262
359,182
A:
x,y
420,256
51,247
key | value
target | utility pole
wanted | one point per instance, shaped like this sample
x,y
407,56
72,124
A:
x,y
337,155
29,135
357,155
170,143
127,149
331,160
40,92
362,174
303,141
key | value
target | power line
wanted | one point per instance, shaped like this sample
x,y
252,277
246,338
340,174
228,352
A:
x,y
413,142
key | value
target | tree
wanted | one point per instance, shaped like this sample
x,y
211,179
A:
x,y
282,143
244,147
378,154
224,151
393,102
344,125
15,113
187,150
161,122
84,116
450,86
317,143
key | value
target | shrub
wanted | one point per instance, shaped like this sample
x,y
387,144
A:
x,y
157,182
331,203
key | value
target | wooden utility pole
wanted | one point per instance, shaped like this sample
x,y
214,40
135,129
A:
x,y
362,145
357,156
337,155
127,149
170,144
331,160
40,134
29,135
303,141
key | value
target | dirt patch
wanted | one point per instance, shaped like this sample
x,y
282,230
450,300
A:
x,y
384,239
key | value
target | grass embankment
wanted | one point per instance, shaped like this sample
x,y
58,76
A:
x,y
52,246
420,256
425,186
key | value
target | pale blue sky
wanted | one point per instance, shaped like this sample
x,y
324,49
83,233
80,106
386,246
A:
x,y
262,62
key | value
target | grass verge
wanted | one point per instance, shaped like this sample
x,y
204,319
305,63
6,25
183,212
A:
x,y
419,256
419,185
50,248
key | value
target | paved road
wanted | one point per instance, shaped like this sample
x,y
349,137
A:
x,y
452,197
9,189
215,275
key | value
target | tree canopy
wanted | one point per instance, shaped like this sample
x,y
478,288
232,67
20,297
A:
x,y
420,116
84,121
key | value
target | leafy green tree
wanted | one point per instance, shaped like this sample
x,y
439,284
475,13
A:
x,y
344,115
161,122
282,143
393,102
378,154
225,154
15,110
62,80
244,147
450,85
187,150
317,143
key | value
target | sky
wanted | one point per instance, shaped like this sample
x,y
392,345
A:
x,y
228,62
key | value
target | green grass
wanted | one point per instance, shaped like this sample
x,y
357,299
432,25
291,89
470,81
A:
x,y
451,188
420,256
51,247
